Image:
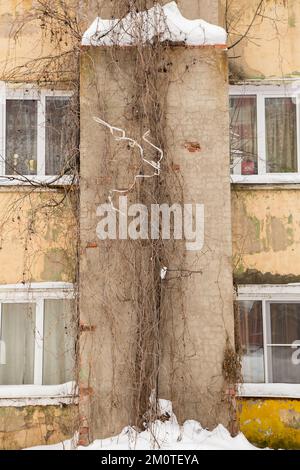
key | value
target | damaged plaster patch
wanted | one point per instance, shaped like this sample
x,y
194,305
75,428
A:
x,y
192,147
263,234
279,236
290,418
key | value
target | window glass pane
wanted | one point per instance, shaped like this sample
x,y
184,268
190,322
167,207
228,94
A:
x,y
281,135
17,336
251,336
243,135
21,137
59,342
60,135
284,370
285,323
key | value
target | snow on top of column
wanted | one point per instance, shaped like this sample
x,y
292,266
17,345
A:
x,y
165,23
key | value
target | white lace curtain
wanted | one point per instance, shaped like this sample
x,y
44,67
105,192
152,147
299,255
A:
x,y
18,331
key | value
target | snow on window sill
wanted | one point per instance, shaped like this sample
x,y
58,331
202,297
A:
x,y
270,178
273,390
35,180
30,395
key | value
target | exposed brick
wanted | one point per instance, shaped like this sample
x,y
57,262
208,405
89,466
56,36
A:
x,y
192,146
84,327
92,245
85,391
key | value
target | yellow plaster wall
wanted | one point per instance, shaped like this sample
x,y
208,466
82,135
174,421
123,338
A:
x,y
272,47
266,221
25,36
37,236
36,425
266,235
271,423
28,45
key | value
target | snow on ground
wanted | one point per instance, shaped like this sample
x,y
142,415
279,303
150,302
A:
x,y
163,22
167,435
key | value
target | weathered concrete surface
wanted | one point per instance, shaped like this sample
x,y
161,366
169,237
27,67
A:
x,y
36,425
107,268
196,309
271,423
266,235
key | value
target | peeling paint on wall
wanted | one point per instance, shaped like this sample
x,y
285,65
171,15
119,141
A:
x,y
266,235
270,422
36,425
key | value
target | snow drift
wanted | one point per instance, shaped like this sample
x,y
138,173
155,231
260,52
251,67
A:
x,y
163,23
164,435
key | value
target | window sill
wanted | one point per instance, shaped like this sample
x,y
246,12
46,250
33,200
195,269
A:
x,y
35,180
33,395
269,390
274,178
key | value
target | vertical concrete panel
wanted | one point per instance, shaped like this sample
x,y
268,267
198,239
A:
x,y
107,268
197,306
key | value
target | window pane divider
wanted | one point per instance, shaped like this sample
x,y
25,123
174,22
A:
x,y
2,345
2,126
41,135
261,134
297,100
39,342
265,340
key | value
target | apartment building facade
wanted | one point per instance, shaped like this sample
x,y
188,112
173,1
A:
x,y
38,239
264,109
249,193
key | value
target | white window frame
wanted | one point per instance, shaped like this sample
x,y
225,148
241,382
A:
x,y
288,293
285,90
30,93
36,393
